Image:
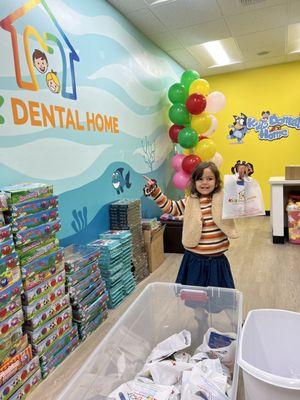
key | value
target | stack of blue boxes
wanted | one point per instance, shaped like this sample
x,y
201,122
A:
x,y
86,288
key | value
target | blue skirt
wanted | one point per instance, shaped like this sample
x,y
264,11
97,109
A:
x,y
199,270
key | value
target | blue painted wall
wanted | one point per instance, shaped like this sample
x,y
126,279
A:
x,y
119,74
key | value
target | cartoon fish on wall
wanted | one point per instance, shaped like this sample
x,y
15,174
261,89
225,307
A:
x,y
118,180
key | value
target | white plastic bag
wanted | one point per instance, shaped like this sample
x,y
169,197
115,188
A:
x,y
169,346
142,391
218,345
242,198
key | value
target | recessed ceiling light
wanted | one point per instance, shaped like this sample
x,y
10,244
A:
x,y
262,53
217,53
155,2
294,38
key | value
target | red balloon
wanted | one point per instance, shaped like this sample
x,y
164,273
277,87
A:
x,y
190,162
196,103
201,137
174,131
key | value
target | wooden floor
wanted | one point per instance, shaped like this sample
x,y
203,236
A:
x,y
267,274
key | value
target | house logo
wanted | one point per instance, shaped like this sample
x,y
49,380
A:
x,y
38,59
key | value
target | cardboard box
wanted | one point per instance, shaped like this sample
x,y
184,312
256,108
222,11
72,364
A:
x,y
154,243
292,172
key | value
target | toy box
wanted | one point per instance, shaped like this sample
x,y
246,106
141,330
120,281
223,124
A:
x,y
32,207
12,307
15,382
10,261
76,277
49,343
90,298
52,310
78,296
78,256
36,279
86,329
59,357
10,294
10,324
11,367
26,191
5,233
39,334
33,220
91,311
43,289
62,341
12,344
6,247
38,306
50,261
37,249
84,284
10,277
28,386
45,231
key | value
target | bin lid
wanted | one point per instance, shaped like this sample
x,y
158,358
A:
x,y
272,379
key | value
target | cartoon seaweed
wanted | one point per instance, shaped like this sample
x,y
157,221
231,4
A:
x,y
149,151
80,220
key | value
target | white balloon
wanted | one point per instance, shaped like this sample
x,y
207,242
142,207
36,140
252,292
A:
x,y
217,159
213,126
215,102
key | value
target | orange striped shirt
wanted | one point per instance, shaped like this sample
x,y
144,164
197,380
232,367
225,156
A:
x,y
213,241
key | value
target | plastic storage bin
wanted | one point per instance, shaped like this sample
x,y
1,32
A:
x,y
158,312
293,211
269,355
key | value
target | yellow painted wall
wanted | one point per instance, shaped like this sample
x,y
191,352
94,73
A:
x,y
275,88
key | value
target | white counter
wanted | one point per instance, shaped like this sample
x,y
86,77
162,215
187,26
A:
x,y
279,188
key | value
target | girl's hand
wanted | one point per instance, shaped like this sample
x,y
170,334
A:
x,y
150,185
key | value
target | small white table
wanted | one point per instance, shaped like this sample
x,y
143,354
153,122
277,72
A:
x,y
279,194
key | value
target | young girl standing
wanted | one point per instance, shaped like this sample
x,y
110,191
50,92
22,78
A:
x,y
205,235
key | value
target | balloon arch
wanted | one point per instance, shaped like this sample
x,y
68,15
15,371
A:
x,y
193,123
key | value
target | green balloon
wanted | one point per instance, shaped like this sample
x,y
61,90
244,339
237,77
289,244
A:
x,y
178,114
187,138
188,77
177,93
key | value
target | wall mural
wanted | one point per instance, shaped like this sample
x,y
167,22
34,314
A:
x,y
82,106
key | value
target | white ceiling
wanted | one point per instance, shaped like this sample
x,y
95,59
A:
x,y
178,25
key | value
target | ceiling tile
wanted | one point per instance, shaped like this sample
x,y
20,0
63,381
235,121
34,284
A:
x,y
182,55
201,33
183,13
294,12
146,22
265,61
272,40
231,7
166,41
258,20
127,6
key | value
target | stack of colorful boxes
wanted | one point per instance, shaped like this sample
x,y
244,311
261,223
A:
x,y
19,370
33,215
124,238
111,266
126,214
86,288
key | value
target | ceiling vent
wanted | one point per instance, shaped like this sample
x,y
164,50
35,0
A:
x,y
250,2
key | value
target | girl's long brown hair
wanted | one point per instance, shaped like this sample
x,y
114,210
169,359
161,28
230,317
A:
x,y
197,174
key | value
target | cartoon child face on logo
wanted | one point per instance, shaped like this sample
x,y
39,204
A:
x,y
40,61
53,82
